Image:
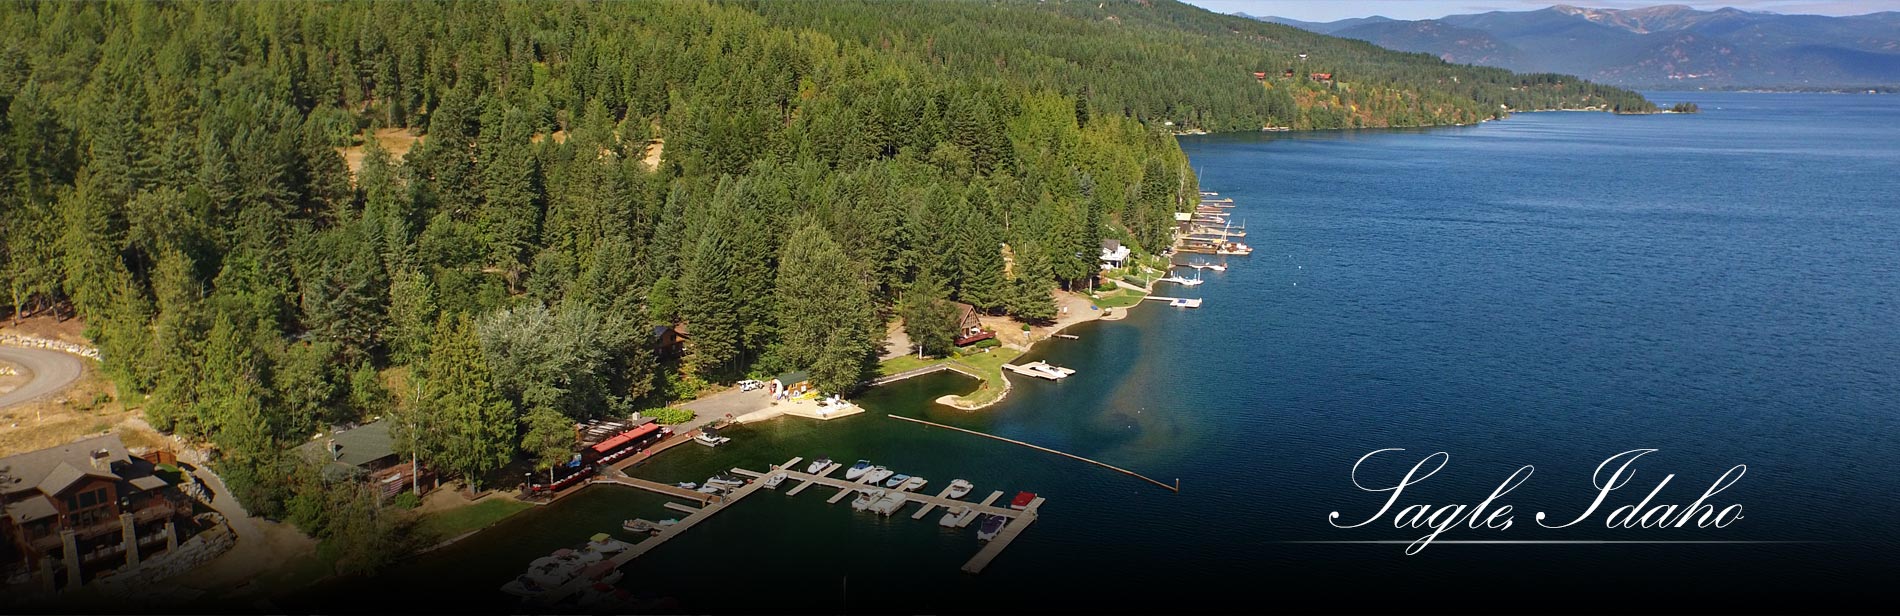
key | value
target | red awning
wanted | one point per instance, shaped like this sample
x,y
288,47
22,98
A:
x,y
625,437
1022,500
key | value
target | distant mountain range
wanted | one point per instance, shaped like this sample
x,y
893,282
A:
x,y
1659,46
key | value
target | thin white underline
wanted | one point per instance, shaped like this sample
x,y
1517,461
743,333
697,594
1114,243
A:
x,y
1543,541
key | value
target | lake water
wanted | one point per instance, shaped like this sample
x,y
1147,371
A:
x,y
1548,290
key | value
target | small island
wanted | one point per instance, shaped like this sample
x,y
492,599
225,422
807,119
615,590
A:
x,y
1685,108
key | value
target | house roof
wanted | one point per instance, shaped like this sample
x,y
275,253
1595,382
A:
x,y
42,469
148,483
30,509
356,446
1111,245
792,378
65,475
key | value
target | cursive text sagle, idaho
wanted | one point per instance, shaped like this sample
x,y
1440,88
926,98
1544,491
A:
x,y
1611,475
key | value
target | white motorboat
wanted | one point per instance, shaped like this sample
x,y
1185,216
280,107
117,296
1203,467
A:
x,y
638,525
668,522
991,525
771,483
857,470
865,499
709,489
955,516
686,485
878,474
890,503
912,484
959,487
724,482
897,481
711,440
818,465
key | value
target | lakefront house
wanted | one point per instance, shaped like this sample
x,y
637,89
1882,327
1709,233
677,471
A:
x,y
79,509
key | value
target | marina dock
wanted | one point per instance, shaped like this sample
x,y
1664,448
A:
x,y
652,486
925,510
1010,531
666,533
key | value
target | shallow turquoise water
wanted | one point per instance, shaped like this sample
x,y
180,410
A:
x,y
1548,290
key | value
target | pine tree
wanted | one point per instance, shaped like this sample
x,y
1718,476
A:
x,y
930,320
814,279
709,309
547,437
1031,299
468,427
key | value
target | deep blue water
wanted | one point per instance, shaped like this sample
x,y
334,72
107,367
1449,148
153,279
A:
x,y
1548,290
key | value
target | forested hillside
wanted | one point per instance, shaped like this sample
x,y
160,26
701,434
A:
x,y
1161,60
777,178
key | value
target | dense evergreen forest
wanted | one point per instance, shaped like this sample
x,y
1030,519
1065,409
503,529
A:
x,y
779,177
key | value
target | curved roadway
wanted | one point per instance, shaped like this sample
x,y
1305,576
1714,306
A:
x,y
51,372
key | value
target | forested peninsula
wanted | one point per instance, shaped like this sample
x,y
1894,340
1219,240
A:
x,y
470,218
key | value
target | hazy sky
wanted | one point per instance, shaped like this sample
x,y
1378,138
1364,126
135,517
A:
x,y
1329,10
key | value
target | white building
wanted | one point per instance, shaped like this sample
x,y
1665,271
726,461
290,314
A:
x,y
1114,254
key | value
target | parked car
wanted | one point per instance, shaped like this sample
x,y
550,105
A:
x,y
749,385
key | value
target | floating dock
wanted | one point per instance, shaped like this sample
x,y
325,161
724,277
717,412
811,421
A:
x,y
620,560
1011,530
1041,370
1179,302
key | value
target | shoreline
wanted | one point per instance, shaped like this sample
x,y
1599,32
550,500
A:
x,y
1104,314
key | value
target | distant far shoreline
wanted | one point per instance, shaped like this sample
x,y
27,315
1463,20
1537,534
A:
x,y
1789,90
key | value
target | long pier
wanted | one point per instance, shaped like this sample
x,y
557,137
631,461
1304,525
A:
x,y
666,533
652,486
1175,488
1010,531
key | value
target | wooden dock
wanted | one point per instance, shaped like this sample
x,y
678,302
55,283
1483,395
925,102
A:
x,y
821,473
986,502
925,510
682,508
1041,370
1176,487
659,538
653,486
846,488
1011,530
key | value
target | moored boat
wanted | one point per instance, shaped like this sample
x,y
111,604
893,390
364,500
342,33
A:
x,y
896,480
912,484
890,503
865,499
857,470
818,465
992,524
959,487
710,438
686,485
607,545
640,525
955,516
1022,500
877,475
771,483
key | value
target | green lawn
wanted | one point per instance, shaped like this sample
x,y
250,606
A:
x,y
1121,298
990,365
449,524
895,365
